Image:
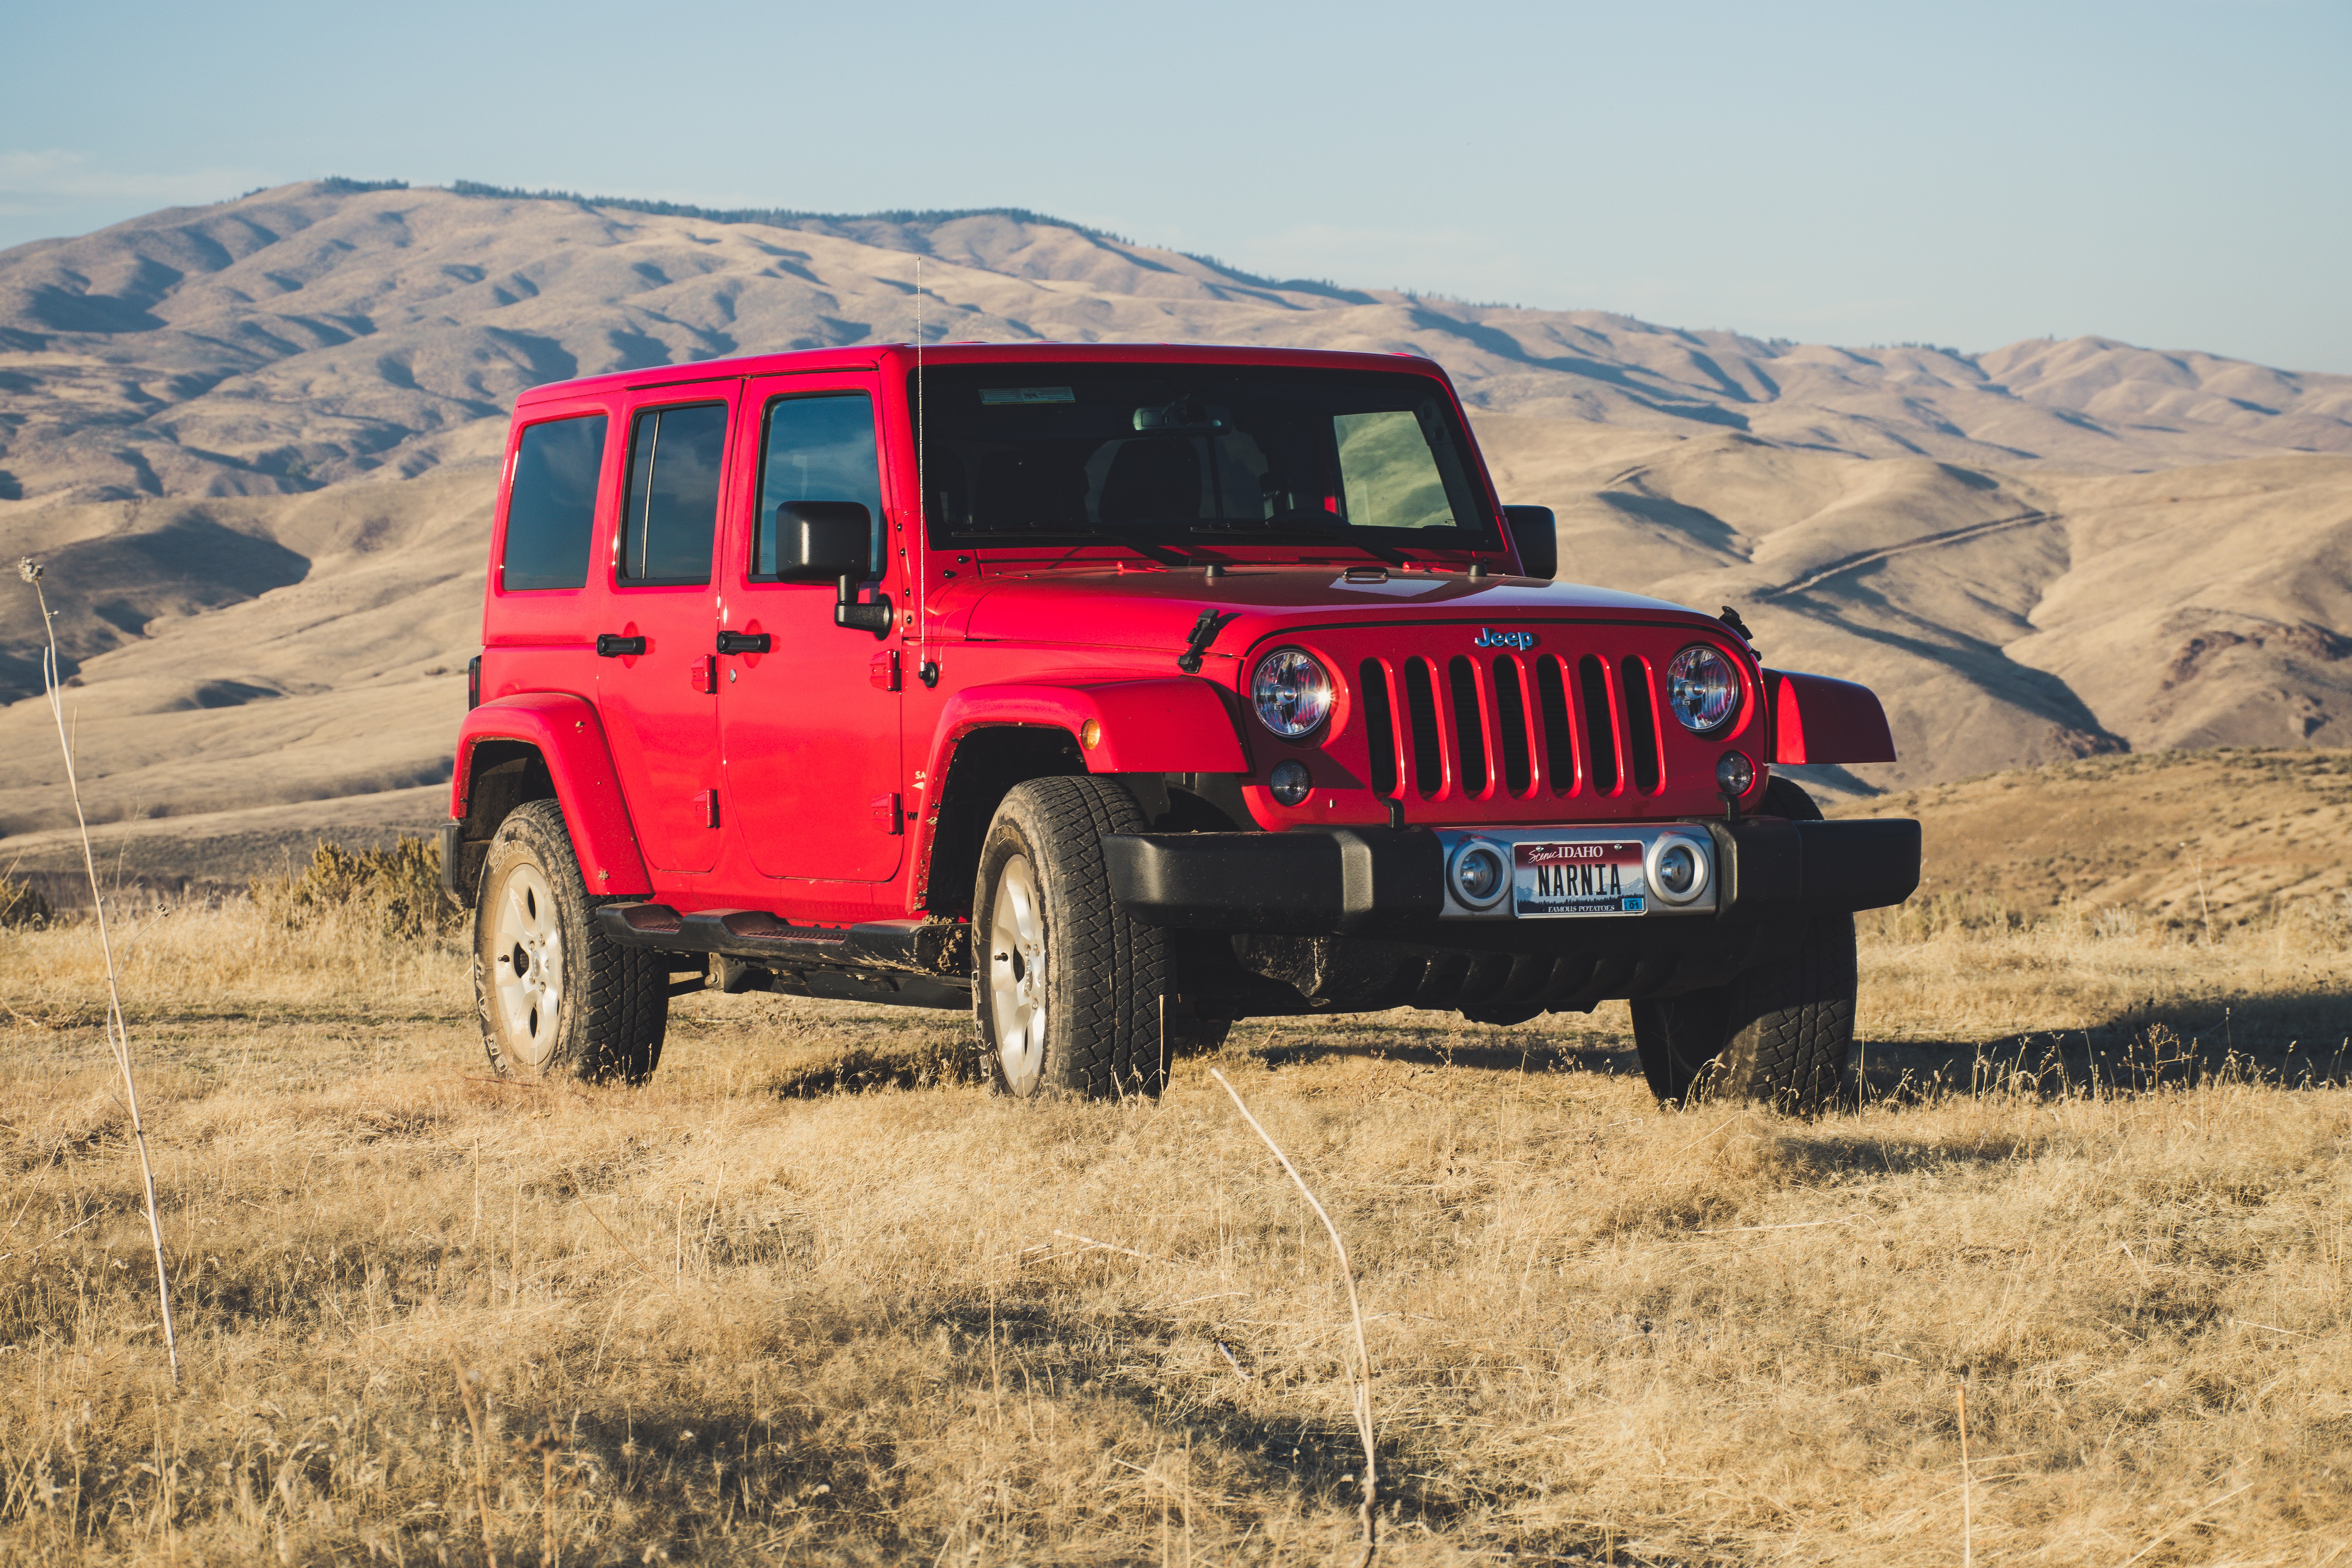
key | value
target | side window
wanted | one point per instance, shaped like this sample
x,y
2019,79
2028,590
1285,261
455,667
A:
x,y
551,505
676,459
818,448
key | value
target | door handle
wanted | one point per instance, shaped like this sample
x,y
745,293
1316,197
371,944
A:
x,y
611,645
743,642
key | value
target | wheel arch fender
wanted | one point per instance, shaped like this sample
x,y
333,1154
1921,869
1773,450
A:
x,y
565,735
1816,719
991,738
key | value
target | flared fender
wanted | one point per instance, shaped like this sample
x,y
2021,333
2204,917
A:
x,y
1818,720
1179,724
566,731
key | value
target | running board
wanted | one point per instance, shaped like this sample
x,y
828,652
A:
x,y
923,963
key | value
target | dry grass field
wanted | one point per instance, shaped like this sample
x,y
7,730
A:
x,y
815,1295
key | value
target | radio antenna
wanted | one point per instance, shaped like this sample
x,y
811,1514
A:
x,y
922,496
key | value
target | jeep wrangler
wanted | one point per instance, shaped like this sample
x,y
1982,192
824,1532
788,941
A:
x,y
1117,692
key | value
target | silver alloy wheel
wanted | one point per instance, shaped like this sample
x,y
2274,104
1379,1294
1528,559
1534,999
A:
x,y
1016,975
528,975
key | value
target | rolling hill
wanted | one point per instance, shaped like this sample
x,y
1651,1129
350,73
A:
x,y
255,442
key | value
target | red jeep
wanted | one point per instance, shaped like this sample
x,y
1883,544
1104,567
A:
x,y
1116,693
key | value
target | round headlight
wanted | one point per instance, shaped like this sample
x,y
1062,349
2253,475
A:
x,y
1702,688
1291,691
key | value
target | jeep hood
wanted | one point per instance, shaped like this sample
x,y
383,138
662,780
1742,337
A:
x,y
1156,610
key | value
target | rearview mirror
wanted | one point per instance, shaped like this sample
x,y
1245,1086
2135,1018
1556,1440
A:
x,y
819,541
1536,532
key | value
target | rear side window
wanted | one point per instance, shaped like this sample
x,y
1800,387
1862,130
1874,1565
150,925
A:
x,y
676,459
817,448
552,506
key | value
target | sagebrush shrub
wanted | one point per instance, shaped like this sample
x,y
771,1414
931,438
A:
x,y
397,888
23,904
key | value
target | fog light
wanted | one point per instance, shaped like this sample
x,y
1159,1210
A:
x,y
1733,775
1481,876
1289,781
1677,871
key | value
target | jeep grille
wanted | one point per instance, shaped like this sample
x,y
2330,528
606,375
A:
x,y
1506,735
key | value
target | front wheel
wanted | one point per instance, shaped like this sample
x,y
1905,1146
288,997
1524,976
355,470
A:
x,y
1066,987
553,994
1779,1034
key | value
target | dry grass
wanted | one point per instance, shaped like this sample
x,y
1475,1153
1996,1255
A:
x,y
816,1294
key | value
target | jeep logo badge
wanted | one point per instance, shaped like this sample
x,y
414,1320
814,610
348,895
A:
x,y
1489,637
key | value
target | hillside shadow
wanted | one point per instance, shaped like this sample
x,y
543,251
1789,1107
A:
x,y
2290,1038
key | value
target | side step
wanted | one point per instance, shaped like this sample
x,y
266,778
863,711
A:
x,y
915,963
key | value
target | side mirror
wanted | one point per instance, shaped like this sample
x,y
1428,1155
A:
x,y
818,541
1535,534
872,617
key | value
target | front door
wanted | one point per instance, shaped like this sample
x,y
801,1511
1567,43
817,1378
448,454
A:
x,y
810,726
657,686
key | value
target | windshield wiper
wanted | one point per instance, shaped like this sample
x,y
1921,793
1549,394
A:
x,y
1311,536
1161,554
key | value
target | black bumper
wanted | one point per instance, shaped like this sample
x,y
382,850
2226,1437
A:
x,y
1374,882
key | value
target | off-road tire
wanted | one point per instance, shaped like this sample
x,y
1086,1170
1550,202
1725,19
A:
x,y
1779,1034
611,1003
1103,973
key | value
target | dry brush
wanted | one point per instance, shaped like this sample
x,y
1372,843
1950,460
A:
x,y
816,1294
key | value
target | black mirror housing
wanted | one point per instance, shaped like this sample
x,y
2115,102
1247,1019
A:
x,y
822,540
861,616
1535,533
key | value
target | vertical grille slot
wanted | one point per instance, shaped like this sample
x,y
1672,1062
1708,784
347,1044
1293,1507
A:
x,y
1641,722
1420,711
1511,725
1380,732
1559,740
1599,724
1469,724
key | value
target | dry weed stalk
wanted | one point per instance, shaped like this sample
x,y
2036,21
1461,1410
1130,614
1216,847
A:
x,y
481,1472
117,1033
1968,1501
1355,1309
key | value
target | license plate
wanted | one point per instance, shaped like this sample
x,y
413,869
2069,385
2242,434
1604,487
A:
x,y
1580,876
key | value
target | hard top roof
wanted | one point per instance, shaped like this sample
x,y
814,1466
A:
x,y
866,356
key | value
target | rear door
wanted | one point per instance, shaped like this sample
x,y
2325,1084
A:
x,y
811,725
657,686
542,612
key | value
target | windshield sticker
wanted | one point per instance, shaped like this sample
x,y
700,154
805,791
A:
x,y
1398,587
1027,394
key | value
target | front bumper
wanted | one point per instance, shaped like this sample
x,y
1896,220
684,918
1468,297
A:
x,y
1347,881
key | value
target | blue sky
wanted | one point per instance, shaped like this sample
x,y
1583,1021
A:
x,y
2175,172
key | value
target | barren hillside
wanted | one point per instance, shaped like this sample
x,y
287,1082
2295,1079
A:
x,y
254,441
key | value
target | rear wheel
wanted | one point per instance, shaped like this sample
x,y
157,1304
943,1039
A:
x,y
1778,1033
1066,987
553,995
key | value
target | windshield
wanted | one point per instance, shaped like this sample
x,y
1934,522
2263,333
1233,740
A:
x,y
1174,453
